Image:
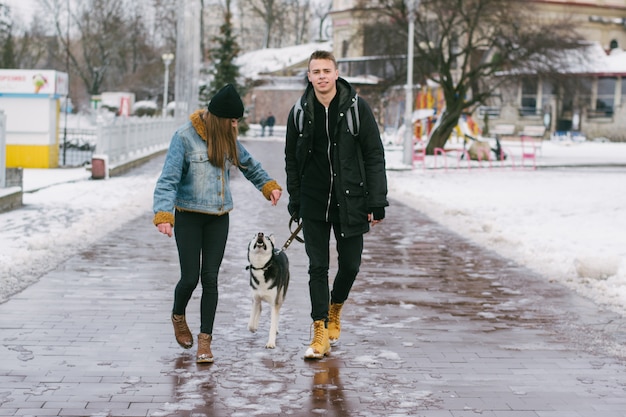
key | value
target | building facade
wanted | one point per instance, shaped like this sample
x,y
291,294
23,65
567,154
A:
x,y
591,100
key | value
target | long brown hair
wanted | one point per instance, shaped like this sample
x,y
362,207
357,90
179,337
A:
x,y
221,140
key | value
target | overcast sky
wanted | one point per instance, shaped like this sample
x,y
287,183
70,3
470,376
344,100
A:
x,y
22,8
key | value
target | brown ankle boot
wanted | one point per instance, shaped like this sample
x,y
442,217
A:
x,y
181,331
204,348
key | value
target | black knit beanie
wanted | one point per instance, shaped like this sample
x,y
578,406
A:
x,y
226,103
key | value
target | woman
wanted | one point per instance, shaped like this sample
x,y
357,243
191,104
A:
x,y
193,193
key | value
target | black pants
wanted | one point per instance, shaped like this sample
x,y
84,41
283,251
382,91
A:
x,y
201,240
349,250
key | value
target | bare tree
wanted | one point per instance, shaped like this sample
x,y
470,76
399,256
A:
x,y
466,47
268,11
165,22
302,12
22,46
106,45
321,9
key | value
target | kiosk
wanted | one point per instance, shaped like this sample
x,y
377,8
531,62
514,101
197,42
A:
x,y
31,102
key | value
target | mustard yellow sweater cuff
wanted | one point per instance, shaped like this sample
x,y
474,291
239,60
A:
x,y
163,217
269,187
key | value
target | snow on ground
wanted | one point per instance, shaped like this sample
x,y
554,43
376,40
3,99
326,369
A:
x,y
59,220
567,224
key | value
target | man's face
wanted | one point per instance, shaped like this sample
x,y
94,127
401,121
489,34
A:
x,y
323,75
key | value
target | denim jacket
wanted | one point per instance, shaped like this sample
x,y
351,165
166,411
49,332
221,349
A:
x,y
189,182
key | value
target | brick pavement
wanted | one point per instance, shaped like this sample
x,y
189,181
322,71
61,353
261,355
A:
x,y
435,327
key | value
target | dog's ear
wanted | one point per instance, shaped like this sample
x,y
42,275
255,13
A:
x,y
272,239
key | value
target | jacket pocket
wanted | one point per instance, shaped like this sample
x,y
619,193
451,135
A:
x,y
356,205
199,166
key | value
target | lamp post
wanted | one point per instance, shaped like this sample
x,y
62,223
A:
x,y
408,107
167,60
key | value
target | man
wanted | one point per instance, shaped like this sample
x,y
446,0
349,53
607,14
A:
x,y
271,120
335,181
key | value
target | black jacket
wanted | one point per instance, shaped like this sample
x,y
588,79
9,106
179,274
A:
x,y
357,166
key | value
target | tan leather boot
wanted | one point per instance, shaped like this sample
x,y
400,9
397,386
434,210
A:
x,y
181,331
204,348
320,346
334,323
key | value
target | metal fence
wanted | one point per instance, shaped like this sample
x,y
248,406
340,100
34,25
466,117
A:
x,y
77,147
124,140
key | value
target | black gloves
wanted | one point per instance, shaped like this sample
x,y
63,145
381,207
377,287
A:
x,y
294,210
378,213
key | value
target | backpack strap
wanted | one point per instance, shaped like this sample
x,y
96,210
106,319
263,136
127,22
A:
x,y
353,119
298,116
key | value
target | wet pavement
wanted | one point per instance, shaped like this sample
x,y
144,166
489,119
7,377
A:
x,y
435,326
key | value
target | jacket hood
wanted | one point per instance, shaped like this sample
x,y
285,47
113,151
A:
x,y
344,89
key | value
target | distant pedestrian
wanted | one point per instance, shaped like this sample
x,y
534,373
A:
x,y
270,121
263,123
335,181
192,198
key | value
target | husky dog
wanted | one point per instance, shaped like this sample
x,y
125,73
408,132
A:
x,y
269,278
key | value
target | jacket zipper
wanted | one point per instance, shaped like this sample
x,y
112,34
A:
x,y
330,164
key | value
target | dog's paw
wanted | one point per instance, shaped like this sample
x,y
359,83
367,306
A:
x,y
270,345
252,328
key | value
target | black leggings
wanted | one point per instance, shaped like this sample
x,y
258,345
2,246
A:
x,y
349,250
199,238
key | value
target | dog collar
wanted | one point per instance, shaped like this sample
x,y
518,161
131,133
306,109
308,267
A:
x,y
263,268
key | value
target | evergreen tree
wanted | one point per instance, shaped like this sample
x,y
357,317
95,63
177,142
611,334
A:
x,y
224,70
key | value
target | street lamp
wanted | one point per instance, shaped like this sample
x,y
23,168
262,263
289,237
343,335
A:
x,y
167,60
408,106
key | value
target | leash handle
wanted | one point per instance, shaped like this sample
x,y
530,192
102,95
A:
x,y
294,235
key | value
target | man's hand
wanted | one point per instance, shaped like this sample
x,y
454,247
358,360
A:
x,y
370,218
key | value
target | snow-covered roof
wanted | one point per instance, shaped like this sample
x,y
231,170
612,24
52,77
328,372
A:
x,y
592,59
253,64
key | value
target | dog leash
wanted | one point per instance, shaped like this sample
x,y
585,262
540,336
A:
x,y
294,235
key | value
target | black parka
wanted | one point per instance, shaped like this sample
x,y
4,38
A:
x,y
358,163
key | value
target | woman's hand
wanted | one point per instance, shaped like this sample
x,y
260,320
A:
x,y
275,196
165,228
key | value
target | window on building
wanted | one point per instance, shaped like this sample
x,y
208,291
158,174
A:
x,y
605,98
529,97
344,48
583,93
548,93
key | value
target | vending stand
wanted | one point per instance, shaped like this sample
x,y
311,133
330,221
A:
x,y
31,101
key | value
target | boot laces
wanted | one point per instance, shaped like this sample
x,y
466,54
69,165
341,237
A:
x,y
334,315
318,333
